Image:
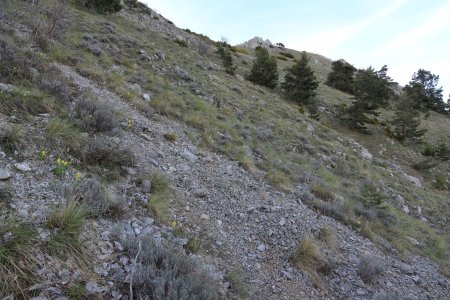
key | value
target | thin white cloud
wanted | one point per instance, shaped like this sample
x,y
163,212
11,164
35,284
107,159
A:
x,y
326,42
439,19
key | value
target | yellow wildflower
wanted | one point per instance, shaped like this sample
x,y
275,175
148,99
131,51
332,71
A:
x,y
173,224
77,176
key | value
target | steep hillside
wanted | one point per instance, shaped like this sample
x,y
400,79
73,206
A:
x,y
133,165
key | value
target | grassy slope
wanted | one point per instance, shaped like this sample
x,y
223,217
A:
x,y
272,128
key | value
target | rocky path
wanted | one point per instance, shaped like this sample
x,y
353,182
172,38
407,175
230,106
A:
x,y
245,223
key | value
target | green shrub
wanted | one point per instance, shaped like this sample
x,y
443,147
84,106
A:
x,y
321,191
170,136
282,58
442,152
286,54
181,43
428,149
101,6
227,60
425,164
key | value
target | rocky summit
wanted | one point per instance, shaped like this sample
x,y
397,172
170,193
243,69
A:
x,y
139,161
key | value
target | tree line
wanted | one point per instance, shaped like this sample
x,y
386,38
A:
x,y
371,90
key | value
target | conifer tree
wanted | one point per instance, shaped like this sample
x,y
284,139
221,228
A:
x,y
300,85
341,77
406,121
423,88
227,60
264,70
372,90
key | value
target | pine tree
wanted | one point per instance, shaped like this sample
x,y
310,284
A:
x,y
341,77
300,85
373,89
264,70
406,121
227,60
423,88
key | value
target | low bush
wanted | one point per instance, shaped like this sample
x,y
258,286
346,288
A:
x,y
95,115
23,102
286,54
425,164
160,273
369,269
321,191
181,43
10,138
111,159
308,257
238,282
101,6
98,201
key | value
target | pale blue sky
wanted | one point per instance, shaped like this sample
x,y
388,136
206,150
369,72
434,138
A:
x,y
404,34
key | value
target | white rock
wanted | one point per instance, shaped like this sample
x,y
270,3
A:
x,y
219,222
146,97
282,222
414,180
204,216
4,175
405,209
24,167
6,87
262,248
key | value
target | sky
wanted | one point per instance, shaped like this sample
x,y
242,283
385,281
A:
x,y
405,35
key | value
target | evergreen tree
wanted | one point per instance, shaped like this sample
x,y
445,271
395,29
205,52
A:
x,y
300,85
227,60
341,77
442,151
406,121
423,88
264,70
372,90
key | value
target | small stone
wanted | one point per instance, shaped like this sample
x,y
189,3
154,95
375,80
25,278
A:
x,y
45,115
92,287
262,248
405,209
226,285
189,155
219,243
204,216
24,167
287,274
413,241
146,97
258,266
142,51
218,222
201,193
148,221
182,242
4,175
361,292
146,186
406,270
282,222
6,87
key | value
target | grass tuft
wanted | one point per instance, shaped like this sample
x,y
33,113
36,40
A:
x,y
67,223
